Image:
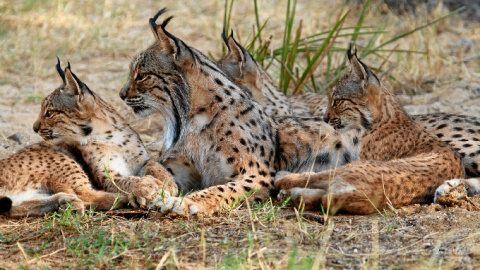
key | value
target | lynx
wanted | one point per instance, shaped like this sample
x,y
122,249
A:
x,y
113,153
459,131
400,161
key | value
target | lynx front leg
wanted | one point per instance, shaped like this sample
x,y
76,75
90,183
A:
x,y
164,178
340,192
210,200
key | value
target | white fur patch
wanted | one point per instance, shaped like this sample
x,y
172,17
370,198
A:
x,y
341,188
305,192
118,165
117,138
200,120
19,197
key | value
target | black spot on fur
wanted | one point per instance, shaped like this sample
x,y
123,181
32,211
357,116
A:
x,y
218,98
323,158
355,140
217,81
338,145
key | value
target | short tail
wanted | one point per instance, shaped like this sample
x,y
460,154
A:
x,y
5,204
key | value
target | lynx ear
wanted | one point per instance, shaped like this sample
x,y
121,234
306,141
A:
x,y
168,42
356,68
236,53
74,85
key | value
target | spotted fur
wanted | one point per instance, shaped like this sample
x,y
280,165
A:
x,y
460,131
305,143
219,144
400,162
113,153
45,177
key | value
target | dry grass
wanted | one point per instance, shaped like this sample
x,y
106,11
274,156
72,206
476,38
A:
x,y
100,38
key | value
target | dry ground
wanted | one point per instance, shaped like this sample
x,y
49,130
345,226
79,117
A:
x,y
100,37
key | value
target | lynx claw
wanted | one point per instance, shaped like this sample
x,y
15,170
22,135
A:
x,y
453,187
160,198
144,192
181,206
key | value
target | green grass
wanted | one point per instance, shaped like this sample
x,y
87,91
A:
x,y
300,55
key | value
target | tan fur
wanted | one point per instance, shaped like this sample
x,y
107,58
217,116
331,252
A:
x,y
113,152
400,162
462,132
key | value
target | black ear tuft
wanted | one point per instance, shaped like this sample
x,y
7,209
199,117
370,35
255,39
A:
x,y
60,71
350,54
153,20
225,39
165,22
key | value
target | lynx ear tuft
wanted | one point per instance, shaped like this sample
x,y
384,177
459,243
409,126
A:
x,y
60,71
350,55
357,68
225,40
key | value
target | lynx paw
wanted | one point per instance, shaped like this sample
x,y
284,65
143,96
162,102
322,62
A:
x,y
65,199
308,197
454,188
182,206
145,190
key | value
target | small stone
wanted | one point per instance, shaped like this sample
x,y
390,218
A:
x,y
15,137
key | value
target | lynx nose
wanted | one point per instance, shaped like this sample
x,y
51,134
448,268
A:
x,y
36,127
124,91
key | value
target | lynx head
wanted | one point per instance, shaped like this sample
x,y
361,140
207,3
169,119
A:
x,y
68,110
352,97
242,69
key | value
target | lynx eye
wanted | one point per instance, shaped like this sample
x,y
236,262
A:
x,y
336,103
140,77
47,114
